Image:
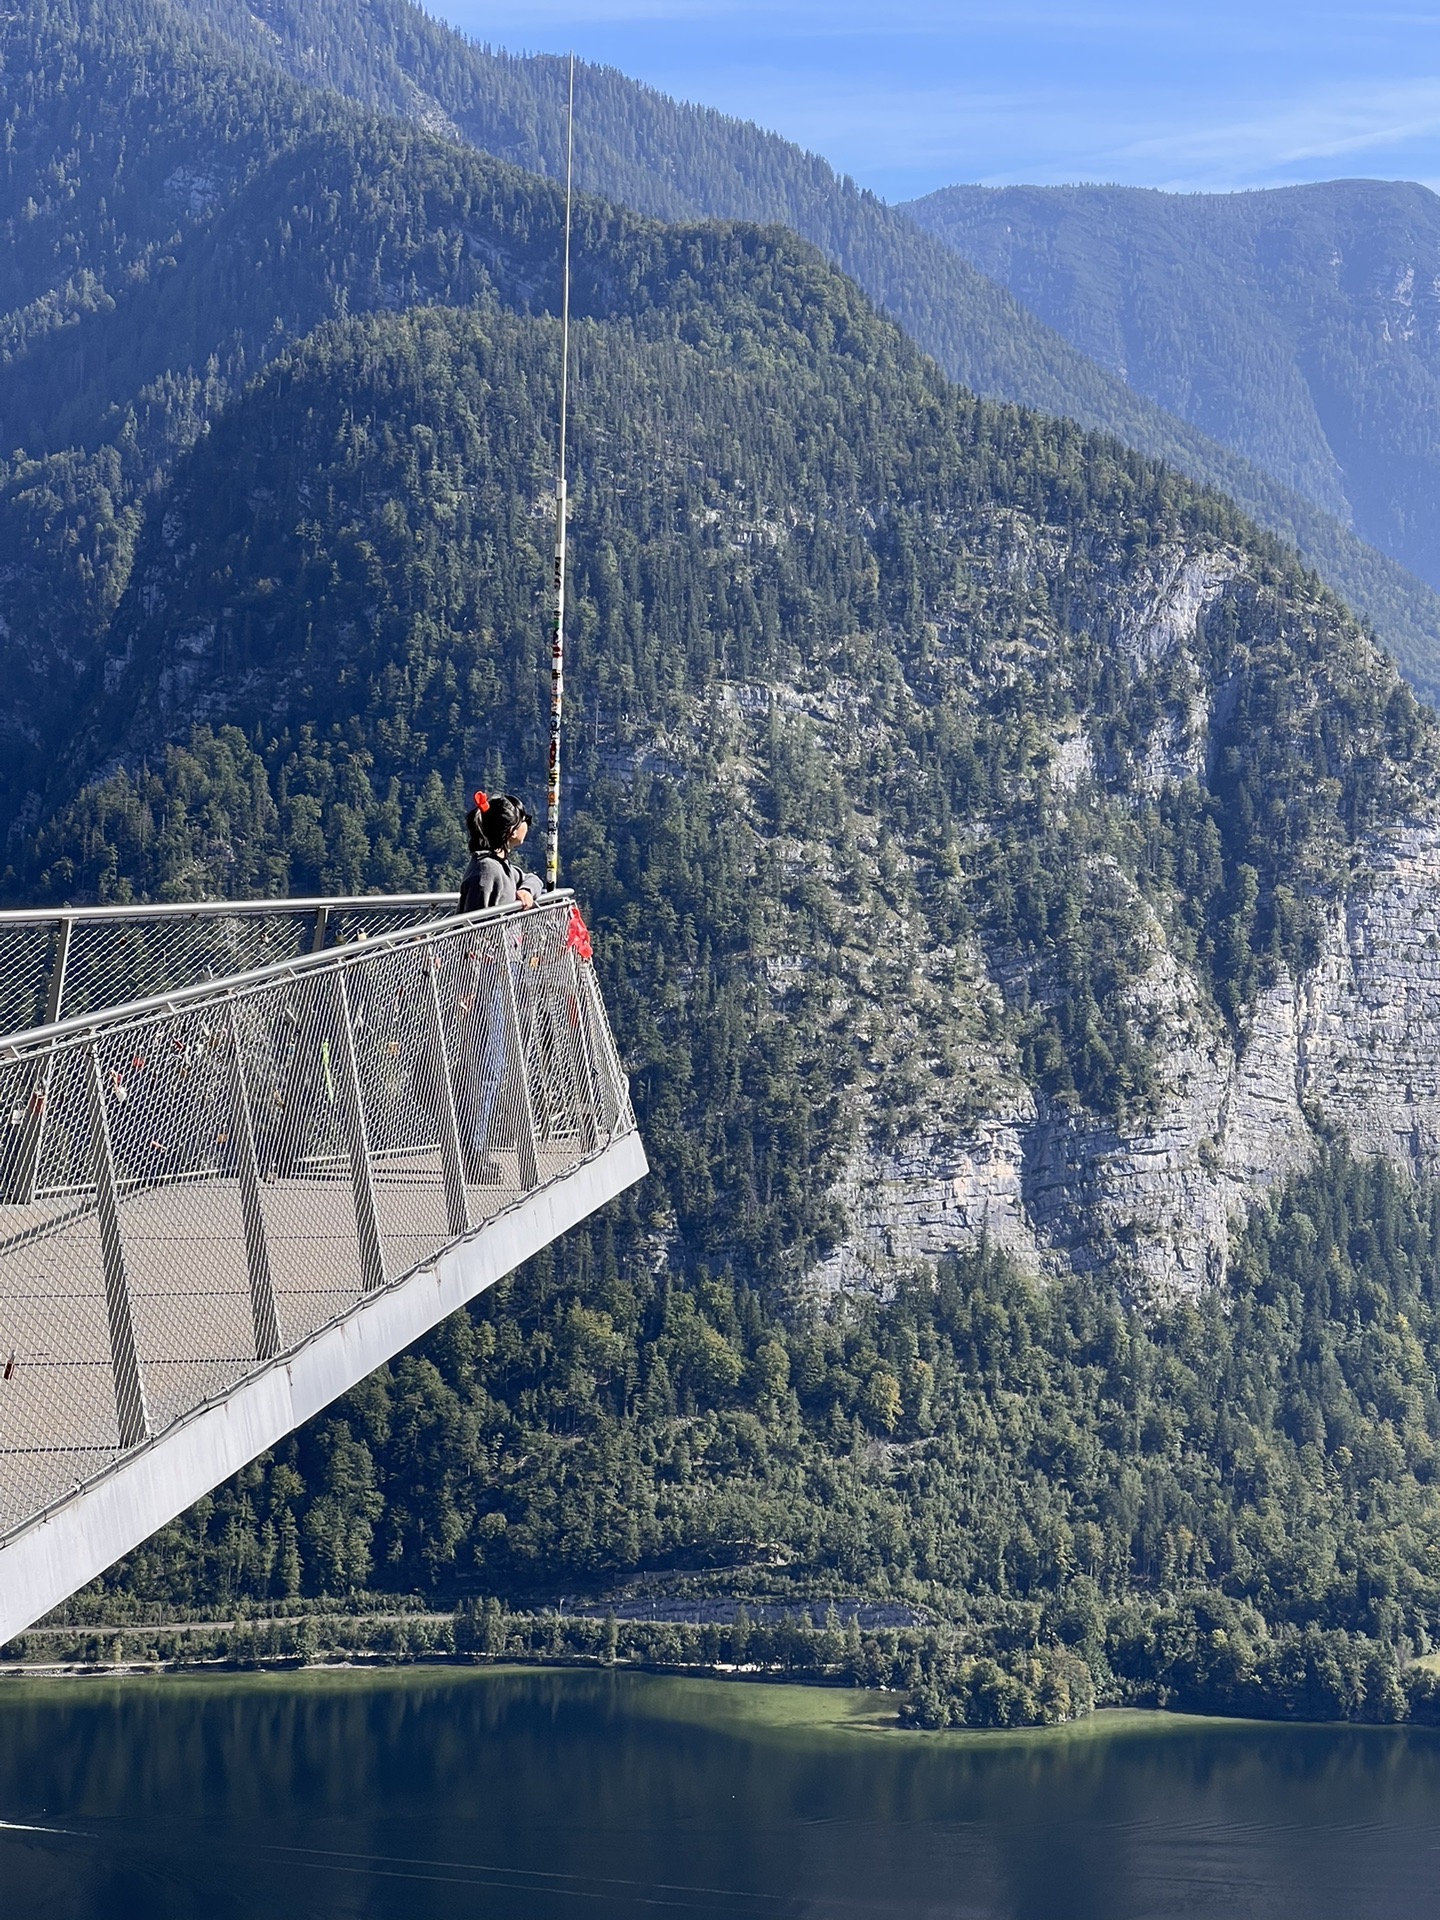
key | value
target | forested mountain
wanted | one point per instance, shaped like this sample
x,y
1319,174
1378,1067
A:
x,y
1016,884
825,604
349,566
1298,326
633,145
1230,1508
938,769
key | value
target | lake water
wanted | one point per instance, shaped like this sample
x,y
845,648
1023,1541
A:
x,y
437,1793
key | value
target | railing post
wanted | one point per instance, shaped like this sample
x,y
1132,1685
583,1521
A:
x,y
608,1072
263,1311
367,1220
60,960
322,926
134,1420
517,1070
457,1210
34,1134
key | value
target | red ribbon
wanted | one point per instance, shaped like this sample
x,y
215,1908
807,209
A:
x,y
577,936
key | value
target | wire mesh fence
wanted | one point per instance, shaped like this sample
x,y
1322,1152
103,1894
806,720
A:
x,y
189,1190
79,960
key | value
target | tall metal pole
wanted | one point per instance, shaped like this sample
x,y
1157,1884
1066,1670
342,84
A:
x,y
557,644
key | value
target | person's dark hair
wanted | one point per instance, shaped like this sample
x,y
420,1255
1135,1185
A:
x,y
490,822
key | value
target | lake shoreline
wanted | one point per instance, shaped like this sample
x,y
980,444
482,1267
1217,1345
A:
x,y
932,1678
756,1702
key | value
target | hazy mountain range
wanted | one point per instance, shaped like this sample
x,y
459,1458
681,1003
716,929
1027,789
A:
x,y
1300,327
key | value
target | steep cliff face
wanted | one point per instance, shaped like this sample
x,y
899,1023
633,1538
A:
x,y
1349,1045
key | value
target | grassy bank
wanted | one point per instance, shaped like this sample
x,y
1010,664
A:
x,y
903,1667
718,1702
928,1678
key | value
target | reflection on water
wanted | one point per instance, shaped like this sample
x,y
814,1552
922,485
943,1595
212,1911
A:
x,y
510,1795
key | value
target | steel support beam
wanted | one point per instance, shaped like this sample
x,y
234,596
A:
x,y
263,1312
59,965
517,1075
357,1141
130,1409
442,1093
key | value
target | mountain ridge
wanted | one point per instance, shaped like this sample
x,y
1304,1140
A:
x,y
1015,882
513,107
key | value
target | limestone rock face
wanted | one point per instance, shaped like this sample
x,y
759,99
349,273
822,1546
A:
x,y
1353,1045
1368,1018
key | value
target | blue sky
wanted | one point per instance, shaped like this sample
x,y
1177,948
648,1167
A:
x,y
907,95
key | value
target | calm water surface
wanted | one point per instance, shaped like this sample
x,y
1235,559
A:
x,y
437,1794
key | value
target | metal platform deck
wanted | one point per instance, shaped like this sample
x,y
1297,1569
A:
x,y
223,1206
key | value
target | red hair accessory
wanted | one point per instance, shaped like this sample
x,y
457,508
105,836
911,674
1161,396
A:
x,y
482,801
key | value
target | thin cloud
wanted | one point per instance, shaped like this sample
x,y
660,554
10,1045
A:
x,y
897,136
824,21
1327,126
1180,95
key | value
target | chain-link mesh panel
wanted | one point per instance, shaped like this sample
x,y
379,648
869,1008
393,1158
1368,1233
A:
x,y
80,961
397,1047
307,1165
65,1139
561,1086
485,1037
112,961
169,1091
27,954
612,1087
186,1195
58,1410
368,920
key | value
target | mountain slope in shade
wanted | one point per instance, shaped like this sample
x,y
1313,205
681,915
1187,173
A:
x,y
978,767
1299,326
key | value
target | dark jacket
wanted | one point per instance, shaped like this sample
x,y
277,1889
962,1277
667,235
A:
x,y
491,880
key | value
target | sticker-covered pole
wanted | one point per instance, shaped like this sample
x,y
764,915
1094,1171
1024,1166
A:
x,y
557,642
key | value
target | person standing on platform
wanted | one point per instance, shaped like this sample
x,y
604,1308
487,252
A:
x,y
497,829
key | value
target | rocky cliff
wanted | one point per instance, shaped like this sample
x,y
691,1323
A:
x,y
1347,1046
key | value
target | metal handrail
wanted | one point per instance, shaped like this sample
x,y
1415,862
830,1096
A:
x,y
29,1041
65,960
222,909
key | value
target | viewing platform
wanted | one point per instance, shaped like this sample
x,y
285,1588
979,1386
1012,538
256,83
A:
x,y
325,1126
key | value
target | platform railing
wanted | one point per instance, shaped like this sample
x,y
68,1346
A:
x,y
68,960
193,1184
